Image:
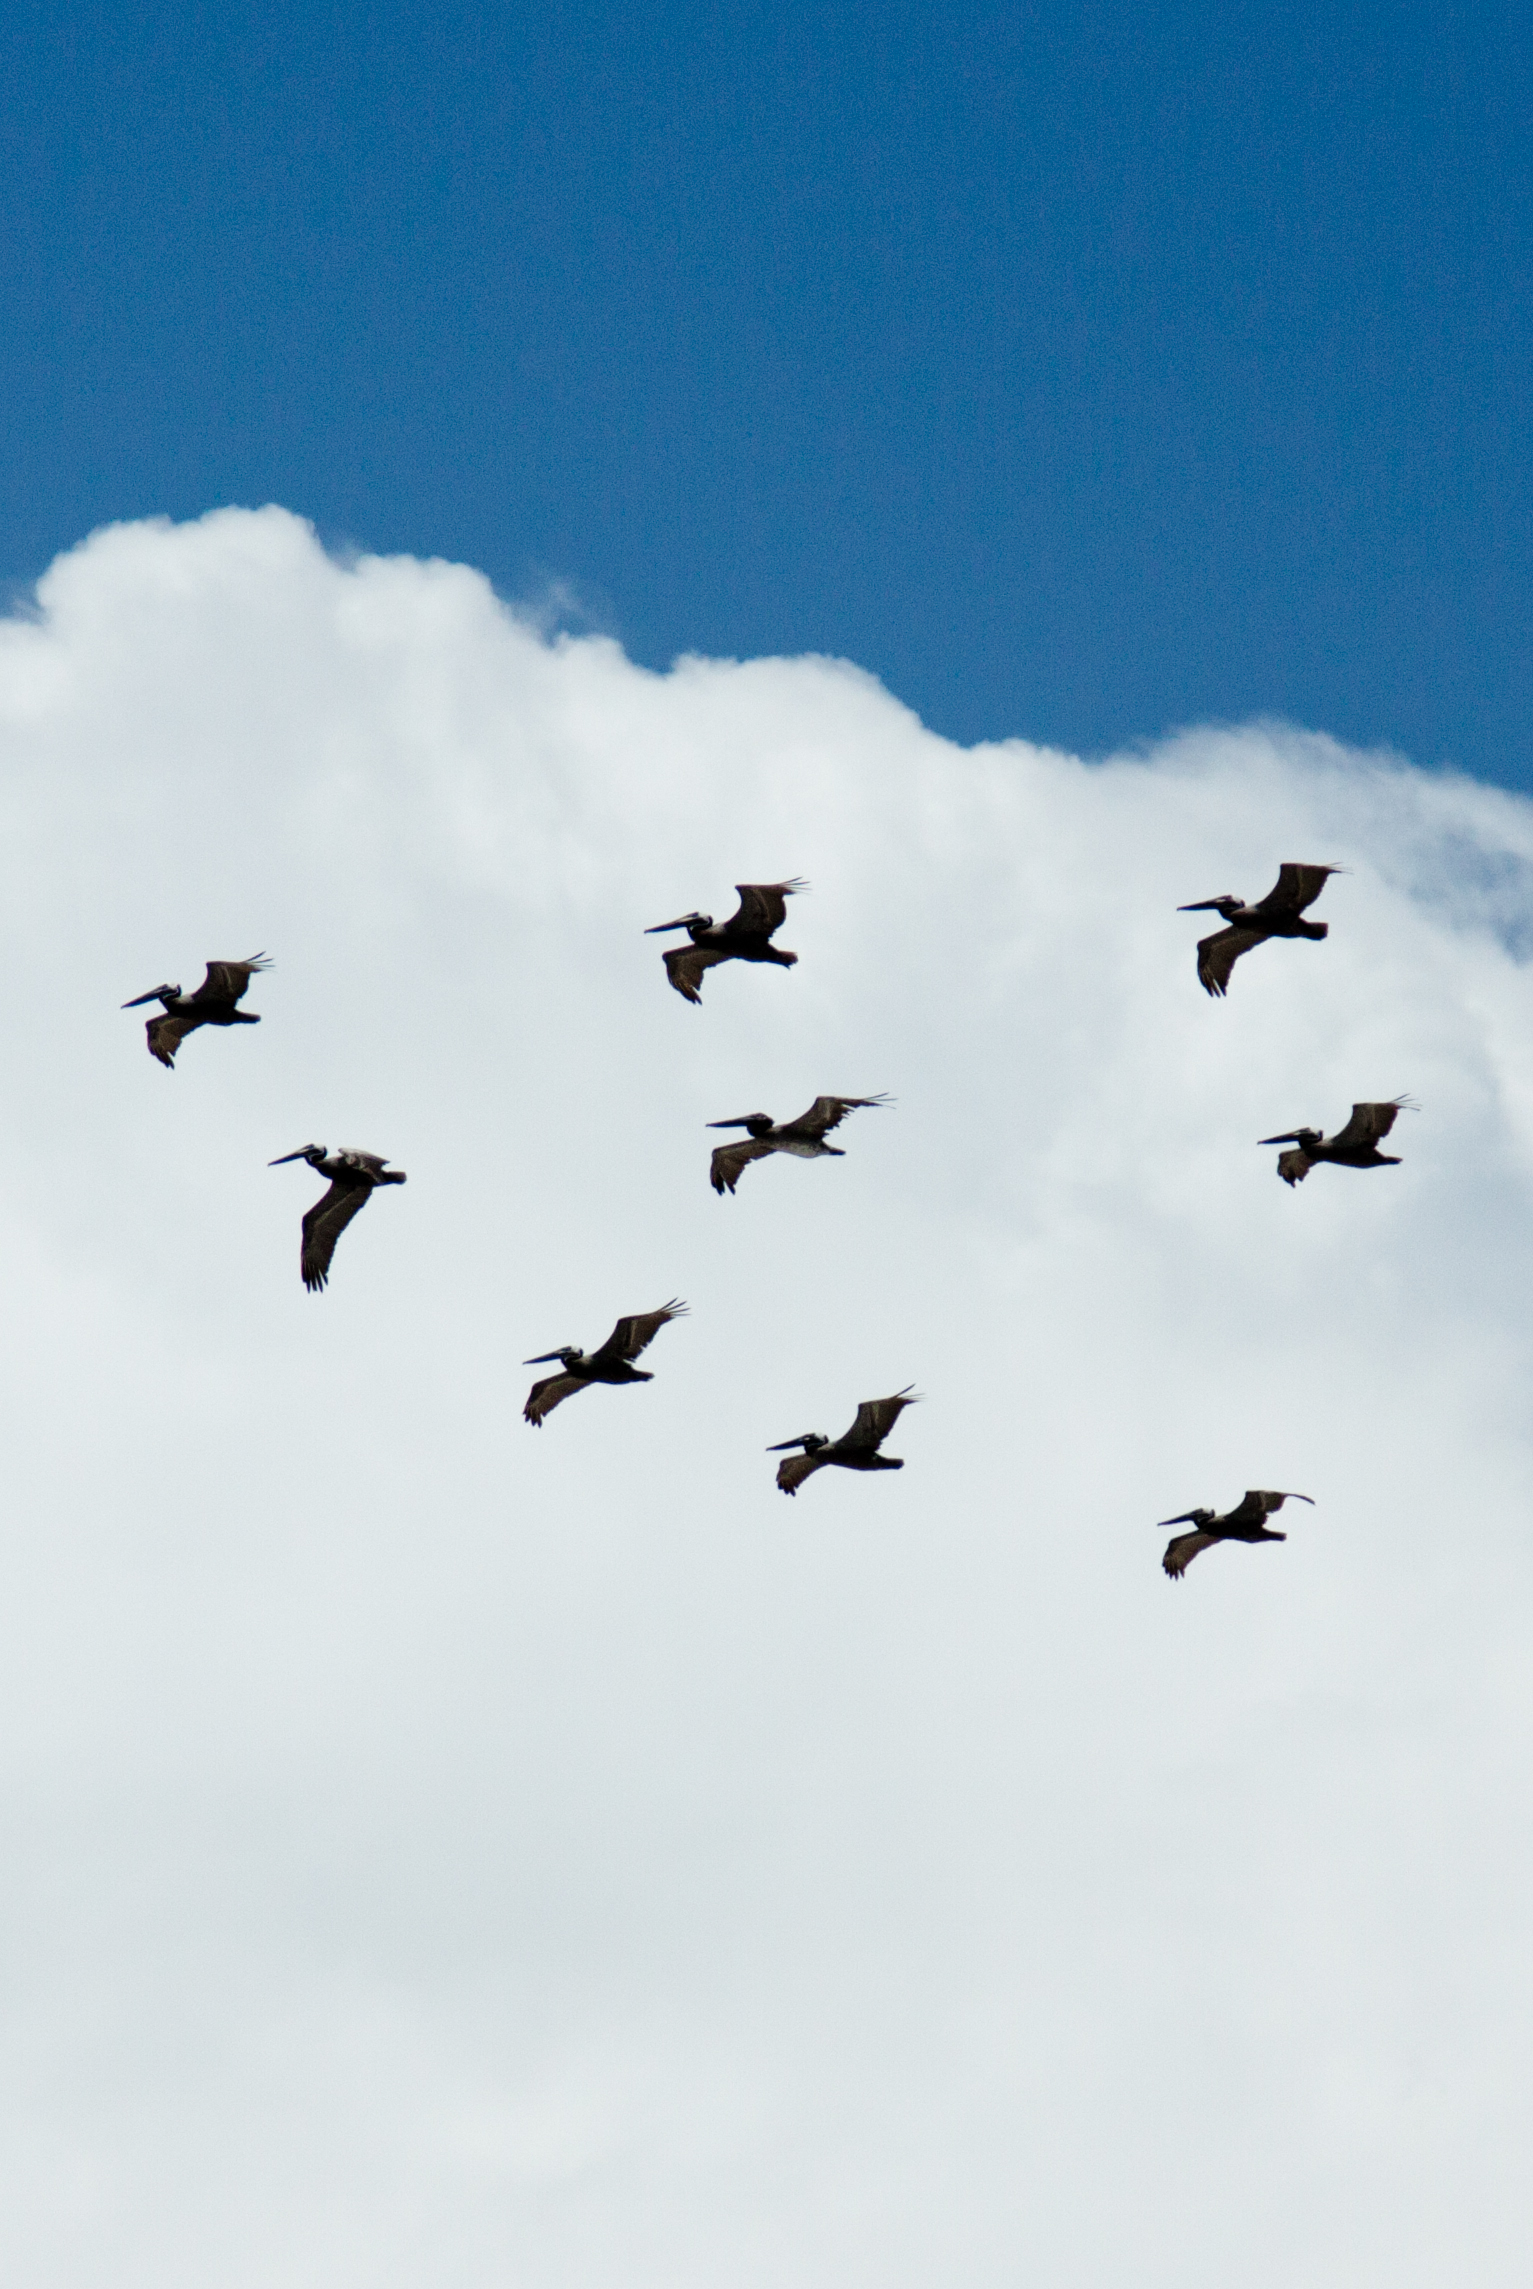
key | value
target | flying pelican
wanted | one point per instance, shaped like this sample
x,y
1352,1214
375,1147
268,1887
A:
x,y
1278,915
856,1449
613,1363
745,937
1242,1524
805,1137
1355,1146
354,1177
212,1004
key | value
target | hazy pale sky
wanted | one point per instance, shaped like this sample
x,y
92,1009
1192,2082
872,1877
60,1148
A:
x,y
439,1852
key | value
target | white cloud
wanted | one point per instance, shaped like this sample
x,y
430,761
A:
x,y
440,1851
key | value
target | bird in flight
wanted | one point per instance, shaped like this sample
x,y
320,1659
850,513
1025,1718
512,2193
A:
x,y
1242,1524
856,1449
804,1137
612,1363
354,1178
1355,1146
745,937
1278,915
212,1004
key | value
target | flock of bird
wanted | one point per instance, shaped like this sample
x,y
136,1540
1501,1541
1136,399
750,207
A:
x,y
354,1176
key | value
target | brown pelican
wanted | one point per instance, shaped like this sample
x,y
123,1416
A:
x,y
805,1137
611,1364
1242,1524
745,937
1355,1146
354,1177
856,1449
212,1004
1278,915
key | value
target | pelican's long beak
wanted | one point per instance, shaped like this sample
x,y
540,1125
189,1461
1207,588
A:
x,y
140,998
1289,1136
783,1444
743,1123
543,1359
1185,1518
1201,906
287,1156
680,923
1309,1498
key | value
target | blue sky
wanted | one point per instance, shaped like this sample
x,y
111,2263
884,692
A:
x,y
1081,371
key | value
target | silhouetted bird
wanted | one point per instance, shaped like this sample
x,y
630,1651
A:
x,y
804,1137
1242,1524
1355,1146
856,1449
212,1004
613,1363
354,1178
745,937
1278,915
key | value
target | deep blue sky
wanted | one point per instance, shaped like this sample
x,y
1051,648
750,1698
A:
x,y
1081,369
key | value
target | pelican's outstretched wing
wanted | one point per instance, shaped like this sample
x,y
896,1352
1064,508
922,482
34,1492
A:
x,y
635,1334
1294,1167
227,981
795,1468
1256,1504
1296,887
1369,1123
546,1395
876,1418
827,1113
166,1033
1182,1549
1260,1502
730,1161
763,907
684,966
323,1226
1218,955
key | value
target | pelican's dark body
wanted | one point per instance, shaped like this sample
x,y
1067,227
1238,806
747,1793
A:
x,y
612,1362
745,937
804,1138
212,1004
856,1449
354,1178
1355,1146
1279,915
1245,1523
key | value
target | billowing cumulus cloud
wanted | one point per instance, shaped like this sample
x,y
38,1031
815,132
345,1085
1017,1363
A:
x,y
439,1850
